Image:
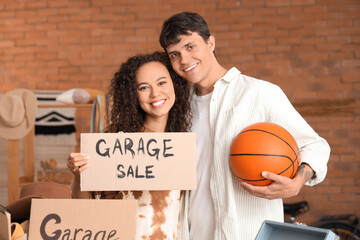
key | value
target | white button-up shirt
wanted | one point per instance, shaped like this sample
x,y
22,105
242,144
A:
x,y
238,101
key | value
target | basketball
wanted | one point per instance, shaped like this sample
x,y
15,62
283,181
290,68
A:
x,y
262,147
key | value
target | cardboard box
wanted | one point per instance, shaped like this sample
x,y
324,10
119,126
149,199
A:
x,y
5,223
6,226
61,175
74,219
82,219
271,230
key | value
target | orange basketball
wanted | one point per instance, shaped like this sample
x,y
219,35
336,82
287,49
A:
x,y
262,147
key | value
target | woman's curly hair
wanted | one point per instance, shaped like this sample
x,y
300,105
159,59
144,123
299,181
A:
x,y
127,115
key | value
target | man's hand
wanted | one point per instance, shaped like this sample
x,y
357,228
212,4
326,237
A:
x,y
281,187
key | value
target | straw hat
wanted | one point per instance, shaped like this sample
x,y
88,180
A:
x,y
17,113
20,209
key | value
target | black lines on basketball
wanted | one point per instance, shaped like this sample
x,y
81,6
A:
x,y
260,130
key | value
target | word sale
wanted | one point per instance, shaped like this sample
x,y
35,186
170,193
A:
x,y
129,172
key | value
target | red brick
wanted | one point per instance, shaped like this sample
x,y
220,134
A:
x,y
356,39
340,87
351,63
35,5
304,32
329,189
315,56
290,25
289,40
14,64
313,40
35,34
25,42
302,2
55,19
266,57
146,32
39,64
69,40
4,44
47,71
46,26
315,24
59,63
266,11
328,32
329,47
264,41
279,48
13,6
46,85
24,57
7,14
20,72
304,48
243,12
23,13
36,19
58,3
352,189
242,58
67,11
278,3
228,4
207,6
290,10
254,3
47,55
115,9
11,22
315,9
343,8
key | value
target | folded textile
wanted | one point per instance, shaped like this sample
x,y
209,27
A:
x,y
53,121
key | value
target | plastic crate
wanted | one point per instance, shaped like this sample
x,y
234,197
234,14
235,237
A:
x,y
271,230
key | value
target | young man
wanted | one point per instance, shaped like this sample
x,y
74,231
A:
x,y
223,103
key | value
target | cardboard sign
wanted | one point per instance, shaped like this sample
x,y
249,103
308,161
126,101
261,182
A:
x,y
139,161
82,219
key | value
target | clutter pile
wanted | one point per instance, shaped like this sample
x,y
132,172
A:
x,y
14,218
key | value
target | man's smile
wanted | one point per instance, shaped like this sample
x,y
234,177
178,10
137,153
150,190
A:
x,y
191,67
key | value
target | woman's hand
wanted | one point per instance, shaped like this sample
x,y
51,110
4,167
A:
x,y
77,162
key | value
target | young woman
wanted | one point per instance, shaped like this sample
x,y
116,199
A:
x,y
147,96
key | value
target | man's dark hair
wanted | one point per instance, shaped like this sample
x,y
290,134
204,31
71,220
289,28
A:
x,y
183,23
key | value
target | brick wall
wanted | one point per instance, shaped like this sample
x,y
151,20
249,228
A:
x,y
310,48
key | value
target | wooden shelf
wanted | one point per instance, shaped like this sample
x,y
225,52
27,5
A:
x,y
14,180
87,105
